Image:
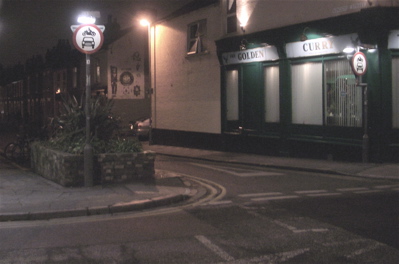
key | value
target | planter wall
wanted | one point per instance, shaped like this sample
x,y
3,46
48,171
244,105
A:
x,y
68,169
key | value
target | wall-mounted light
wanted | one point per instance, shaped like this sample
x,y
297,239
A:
x,y
144,22
244,44
349,49
303,36
242,26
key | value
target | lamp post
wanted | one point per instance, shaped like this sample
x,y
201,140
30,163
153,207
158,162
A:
x,y
145,22
88,39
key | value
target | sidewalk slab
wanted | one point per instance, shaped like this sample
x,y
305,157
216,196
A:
x,y
386,171
25,195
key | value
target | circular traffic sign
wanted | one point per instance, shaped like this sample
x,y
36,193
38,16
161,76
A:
x,y
88,38
359,63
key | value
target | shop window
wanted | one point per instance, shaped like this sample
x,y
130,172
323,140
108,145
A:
x,y
326,94
232,104
272,96
231,16
196,37
395,92
307,94
343,99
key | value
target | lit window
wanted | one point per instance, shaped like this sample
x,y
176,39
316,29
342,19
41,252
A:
x,y
196,40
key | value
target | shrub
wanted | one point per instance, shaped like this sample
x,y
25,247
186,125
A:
x,y
70,133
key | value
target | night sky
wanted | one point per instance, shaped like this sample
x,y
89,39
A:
x,y
30,27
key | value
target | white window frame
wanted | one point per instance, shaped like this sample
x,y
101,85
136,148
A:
x,y
197,42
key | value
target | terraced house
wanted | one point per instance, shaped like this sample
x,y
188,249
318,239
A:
x,y
292,78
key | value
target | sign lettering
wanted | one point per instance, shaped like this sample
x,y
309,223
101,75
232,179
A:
x,y
320,46
268,53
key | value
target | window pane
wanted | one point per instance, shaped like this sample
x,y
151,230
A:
x,y
231,24
232,95
343,99
272,96
196,37
307,94
231,6
395,92
193,31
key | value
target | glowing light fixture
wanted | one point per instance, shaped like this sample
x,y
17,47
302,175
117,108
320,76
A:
x,y
144,22
349,49
242,26
88,17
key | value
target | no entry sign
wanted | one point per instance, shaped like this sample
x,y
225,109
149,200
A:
x,y
88,38
359,63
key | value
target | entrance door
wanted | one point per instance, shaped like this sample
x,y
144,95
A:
x,y
252,94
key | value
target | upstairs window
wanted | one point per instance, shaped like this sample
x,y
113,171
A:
x,y
231,16
196,37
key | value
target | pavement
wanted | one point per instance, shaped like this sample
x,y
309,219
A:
x,y
25,195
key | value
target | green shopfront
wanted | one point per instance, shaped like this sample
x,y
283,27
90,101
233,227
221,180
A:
x,y
292,92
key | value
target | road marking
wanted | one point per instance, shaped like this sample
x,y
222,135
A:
x,y
259,194
386,186
352,189
341,243
310,191
214,248
368,191
239,172
220,202
323,194
295,230
273,258
274,198
363,250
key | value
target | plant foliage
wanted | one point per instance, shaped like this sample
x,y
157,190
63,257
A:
x,y
70,133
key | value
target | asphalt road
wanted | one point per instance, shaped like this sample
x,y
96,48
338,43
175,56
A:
x,y
260,216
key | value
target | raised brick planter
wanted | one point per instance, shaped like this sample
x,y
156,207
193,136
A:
x,y
68,169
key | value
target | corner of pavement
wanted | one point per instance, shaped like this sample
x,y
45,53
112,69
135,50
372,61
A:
x,y
26,196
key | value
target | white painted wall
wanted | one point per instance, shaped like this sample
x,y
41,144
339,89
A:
x,y
187,89
261,15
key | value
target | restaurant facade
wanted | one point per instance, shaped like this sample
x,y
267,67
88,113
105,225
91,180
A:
x,y
302,90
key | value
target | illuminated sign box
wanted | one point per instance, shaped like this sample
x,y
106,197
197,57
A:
x,y
320,46
268,53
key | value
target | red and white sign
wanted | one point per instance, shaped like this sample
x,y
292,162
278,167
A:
x,y
88,38
359,63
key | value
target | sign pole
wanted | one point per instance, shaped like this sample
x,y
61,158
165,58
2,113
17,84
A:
x,y
88,39
359,66
365,141
88,149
